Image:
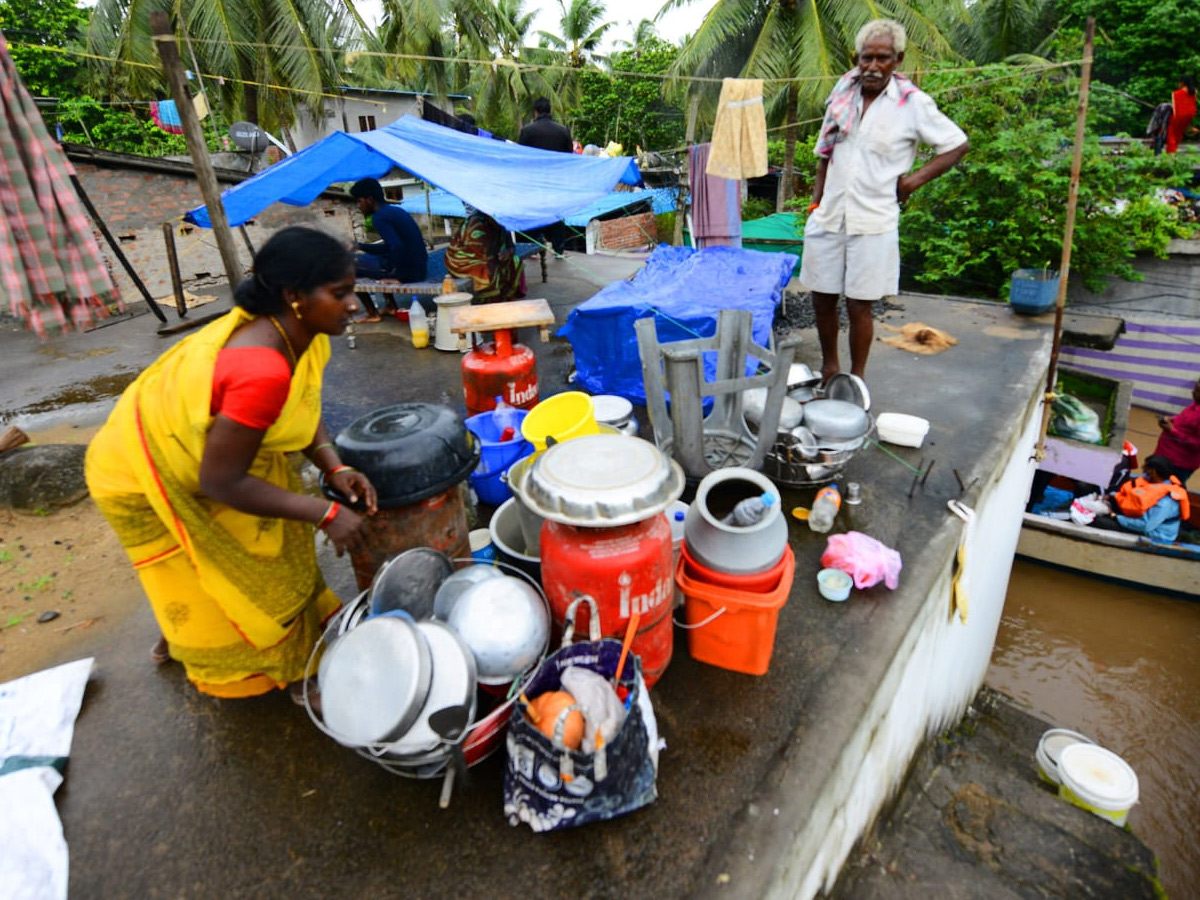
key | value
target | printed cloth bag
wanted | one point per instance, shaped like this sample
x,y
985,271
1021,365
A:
x,y
549,787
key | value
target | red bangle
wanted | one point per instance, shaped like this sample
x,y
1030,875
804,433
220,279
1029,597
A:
x,y
329,473
813,206
330,515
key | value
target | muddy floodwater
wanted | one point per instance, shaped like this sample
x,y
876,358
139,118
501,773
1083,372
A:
x,y
1123,667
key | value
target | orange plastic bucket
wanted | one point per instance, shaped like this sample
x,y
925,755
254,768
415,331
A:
x,y
758,582
730,628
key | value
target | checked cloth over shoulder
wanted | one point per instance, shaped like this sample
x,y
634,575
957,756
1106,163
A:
x,y
51,268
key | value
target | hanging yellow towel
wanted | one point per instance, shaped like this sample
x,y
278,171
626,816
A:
x,y
739,141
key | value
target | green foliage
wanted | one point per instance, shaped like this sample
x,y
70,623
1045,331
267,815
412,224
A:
x,y
1004,207
116,128
628,109
757,208
31,25
1143,46
665,223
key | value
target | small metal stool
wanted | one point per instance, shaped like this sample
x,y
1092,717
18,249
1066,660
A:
x,y
702,444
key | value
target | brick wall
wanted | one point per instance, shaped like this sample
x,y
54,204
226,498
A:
x,y
628,232
134,204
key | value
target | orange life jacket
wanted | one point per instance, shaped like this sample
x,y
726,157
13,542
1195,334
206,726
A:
x,y
1136,497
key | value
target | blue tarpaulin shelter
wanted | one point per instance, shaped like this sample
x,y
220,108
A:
x,y
440,203
685,290
519,187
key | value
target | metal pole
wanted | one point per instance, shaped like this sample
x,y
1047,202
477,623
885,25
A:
x,y
1064,269
193,133
116,249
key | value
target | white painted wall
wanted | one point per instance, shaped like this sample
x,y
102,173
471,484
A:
x,y
938,670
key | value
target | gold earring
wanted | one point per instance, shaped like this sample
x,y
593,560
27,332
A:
x,y
296,309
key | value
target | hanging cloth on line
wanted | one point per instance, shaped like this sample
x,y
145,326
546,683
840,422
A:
x,y
716,204
166,116
739,140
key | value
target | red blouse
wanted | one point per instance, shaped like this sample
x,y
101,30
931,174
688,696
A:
x,y
250,385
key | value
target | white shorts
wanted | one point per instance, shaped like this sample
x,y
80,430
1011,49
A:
x,y
861,266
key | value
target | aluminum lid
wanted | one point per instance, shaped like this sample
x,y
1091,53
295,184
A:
x,y
850,388
611,409
374,680
602,480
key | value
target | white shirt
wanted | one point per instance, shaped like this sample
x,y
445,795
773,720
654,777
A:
x,y
860,184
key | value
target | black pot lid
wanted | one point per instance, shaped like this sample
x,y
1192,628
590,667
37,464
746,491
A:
x,y
410,451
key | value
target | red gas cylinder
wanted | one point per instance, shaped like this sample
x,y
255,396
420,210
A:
x,y
625,569
499,368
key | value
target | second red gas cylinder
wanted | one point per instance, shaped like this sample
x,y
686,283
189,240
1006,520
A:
x,y
627,569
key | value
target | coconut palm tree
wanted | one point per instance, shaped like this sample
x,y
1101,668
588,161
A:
x,y
505,90
575,49
800,49
264,57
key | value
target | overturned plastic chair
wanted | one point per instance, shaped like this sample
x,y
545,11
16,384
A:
x,y
703,444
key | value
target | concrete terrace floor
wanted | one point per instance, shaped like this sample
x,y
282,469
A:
x,y
172,794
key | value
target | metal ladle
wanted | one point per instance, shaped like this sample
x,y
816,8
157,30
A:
x,y
449,723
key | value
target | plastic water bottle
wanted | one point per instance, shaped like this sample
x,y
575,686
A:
x,y
824,509
750,511
504,417
447,284
418,324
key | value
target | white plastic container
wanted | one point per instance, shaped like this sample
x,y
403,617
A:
x,y
677,517
901,429
443,337
1097,780
834,584
1050,748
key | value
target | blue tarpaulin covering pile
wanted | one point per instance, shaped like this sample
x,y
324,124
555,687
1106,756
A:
x,y
519,187
685,290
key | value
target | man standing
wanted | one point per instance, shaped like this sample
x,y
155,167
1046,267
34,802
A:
x,y
1179,443
401,254
546,134
874,120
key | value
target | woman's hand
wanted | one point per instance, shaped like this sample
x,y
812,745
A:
x,y
348,531
354,485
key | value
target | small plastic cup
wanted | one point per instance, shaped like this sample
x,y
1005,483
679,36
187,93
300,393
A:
x,y
834,584
482,547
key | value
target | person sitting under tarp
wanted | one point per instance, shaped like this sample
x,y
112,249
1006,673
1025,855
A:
x,y
483,250
401,254
1153,504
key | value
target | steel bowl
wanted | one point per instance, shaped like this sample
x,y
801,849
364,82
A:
x,y
836,420
600,481
505,622
848,387
455,586
409,582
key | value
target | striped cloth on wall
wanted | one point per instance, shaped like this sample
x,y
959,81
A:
x,y
1160,356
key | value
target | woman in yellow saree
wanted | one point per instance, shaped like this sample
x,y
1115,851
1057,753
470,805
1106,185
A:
x,y
191,471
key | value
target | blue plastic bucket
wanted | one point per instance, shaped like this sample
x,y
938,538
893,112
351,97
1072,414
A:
x,y
496,456
1033,291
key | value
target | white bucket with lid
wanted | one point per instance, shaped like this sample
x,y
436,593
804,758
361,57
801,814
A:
x,y
1050,748
1097,780
610,409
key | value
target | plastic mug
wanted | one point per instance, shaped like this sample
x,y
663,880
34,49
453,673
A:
x,y
482,547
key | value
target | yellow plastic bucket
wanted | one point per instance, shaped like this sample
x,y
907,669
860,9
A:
x,y
560,418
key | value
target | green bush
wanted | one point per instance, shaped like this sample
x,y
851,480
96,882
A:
x,y
756,208
1004,207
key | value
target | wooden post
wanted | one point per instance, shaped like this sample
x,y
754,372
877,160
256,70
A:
x,y
173,263
1064,269
168,52
680,205
116,249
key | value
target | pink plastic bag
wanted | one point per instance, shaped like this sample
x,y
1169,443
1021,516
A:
x,y
863,558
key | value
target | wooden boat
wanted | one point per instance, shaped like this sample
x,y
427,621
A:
x,y
1113,555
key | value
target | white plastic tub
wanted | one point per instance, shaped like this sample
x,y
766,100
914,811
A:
x,y
1097,780
901,429
1050,748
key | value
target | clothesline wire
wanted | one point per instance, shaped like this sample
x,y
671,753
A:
x,y
1018,70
